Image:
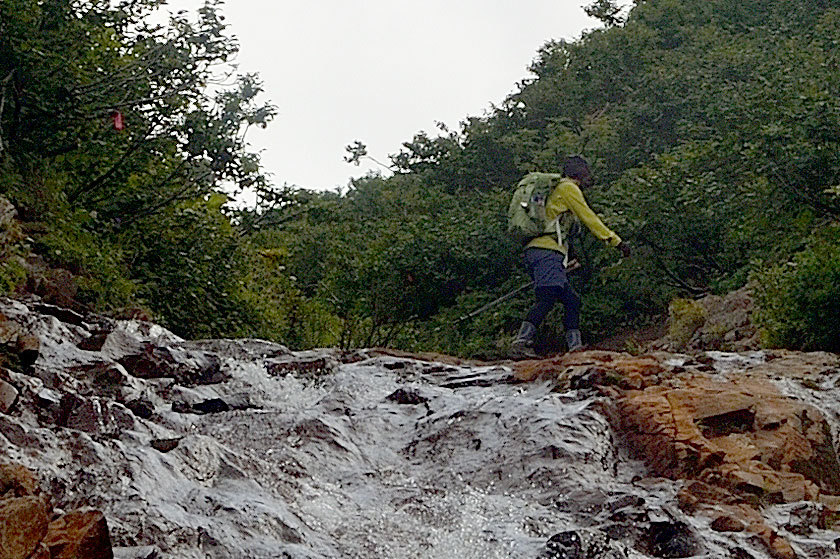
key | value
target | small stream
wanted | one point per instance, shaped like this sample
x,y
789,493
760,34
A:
x,y
327,454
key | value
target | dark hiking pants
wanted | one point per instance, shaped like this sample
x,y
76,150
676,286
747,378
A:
x,y
550,286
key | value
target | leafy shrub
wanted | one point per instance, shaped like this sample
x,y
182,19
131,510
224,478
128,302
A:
x,y
278,309
188,262
12,275
12,249
685,316
799,301
96,263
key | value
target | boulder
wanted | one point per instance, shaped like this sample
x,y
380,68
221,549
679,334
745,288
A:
x,y
9,330
81,534
7,214
102,377
186,367
742,443
27,533
115,344
16,432
17,481
49,401
28,348
308,364
8,396
745,434
713,322
55,286
93,415
23,524
728,523
603,367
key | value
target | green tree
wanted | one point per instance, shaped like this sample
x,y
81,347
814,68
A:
x,y
115,137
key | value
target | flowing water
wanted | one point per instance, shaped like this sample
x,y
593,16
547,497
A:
x,y
326,454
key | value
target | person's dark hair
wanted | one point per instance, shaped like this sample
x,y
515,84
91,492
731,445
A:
x,y
575,167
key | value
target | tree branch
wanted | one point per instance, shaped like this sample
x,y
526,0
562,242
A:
x,y
676,280
3,85
97,182
177,196
832,212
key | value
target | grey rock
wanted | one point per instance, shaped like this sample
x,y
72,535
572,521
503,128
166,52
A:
x,y
139,552
93,415
8,396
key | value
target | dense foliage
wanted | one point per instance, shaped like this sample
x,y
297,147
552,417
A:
x,y
800,299
114,153
713,128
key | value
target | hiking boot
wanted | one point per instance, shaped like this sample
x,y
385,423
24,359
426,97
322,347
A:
x,y
573,340
523,350
523,346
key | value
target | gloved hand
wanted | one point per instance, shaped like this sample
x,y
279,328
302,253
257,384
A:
x,y
624,248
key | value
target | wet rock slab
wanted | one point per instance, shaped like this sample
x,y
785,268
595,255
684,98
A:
x,y
242,448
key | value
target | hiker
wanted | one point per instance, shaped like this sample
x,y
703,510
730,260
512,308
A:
x,y
547,255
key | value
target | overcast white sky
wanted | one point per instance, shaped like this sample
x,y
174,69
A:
x,y
380,71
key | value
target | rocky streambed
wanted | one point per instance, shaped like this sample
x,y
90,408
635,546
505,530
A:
x,y
119,439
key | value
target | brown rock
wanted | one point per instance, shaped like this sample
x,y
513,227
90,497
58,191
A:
x,y
23,524
56,286
738,443
19,480
759,435
9,330
727,324
41,552
830,501
531,370
642,366
79,535
619,365
165,445
728,523
694,492
743,442
28,348
779,547
688,502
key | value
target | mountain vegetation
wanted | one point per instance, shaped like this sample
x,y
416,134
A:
x,y
713,129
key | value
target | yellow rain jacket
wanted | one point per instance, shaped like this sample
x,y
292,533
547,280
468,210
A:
x,y
567,197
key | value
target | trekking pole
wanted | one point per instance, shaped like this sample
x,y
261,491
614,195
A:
x,y
495,302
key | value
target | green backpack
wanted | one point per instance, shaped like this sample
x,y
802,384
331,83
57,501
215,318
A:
x,y
526,213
